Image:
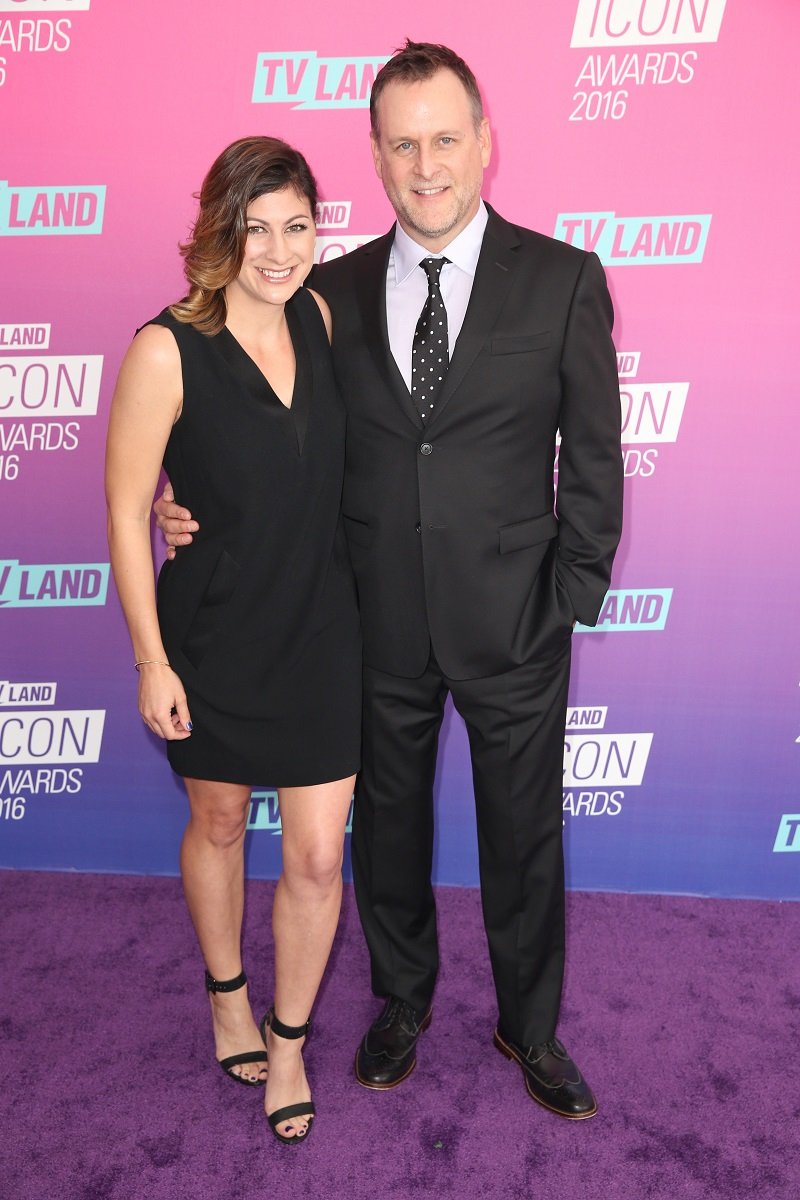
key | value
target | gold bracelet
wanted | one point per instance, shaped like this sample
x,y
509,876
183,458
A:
x,y
143,662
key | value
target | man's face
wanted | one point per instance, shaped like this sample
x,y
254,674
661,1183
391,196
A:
x,y
430,157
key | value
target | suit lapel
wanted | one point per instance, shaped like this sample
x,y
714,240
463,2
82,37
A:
x,y
493,278
371,290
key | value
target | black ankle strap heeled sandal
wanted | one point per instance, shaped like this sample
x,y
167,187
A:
x,y
250,1056
290,1032
225,985
303,1109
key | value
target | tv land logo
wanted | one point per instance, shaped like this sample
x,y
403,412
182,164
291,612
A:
x,y
787,838
52,585
333,214
41,210
16,695
599,766
265,814
605,80
304,79
24,337
636,241
628,609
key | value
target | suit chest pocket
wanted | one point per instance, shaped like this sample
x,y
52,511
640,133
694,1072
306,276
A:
x,y
521,345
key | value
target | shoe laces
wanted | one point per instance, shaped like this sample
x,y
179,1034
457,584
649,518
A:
x,y
400,1012
551,1046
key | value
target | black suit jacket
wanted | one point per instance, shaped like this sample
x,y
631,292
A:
x,y
453,533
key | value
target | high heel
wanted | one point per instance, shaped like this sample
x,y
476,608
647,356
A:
x,y
304,1108
250,1056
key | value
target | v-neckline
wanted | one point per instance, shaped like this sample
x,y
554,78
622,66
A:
x,y
293,418
255,367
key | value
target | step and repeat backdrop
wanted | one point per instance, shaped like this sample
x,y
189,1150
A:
x,y
659,133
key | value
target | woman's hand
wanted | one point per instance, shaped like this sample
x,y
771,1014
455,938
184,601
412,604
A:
x,y
162,702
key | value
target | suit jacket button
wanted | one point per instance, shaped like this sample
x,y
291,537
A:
x,y
426,448
418,528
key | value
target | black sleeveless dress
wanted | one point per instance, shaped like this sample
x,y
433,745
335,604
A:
x,y
259,615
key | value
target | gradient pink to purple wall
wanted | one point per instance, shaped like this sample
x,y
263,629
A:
x,y
143,100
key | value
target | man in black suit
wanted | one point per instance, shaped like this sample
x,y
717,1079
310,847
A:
x,y
470,577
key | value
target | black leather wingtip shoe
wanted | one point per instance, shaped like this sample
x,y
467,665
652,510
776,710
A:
x,y
388,1053
551,1077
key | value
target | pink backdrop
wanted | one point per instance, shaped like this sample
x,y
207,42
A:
x,y
660,133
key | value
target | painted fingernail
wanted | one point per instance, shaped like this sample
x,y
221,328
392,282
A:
x,y
189,726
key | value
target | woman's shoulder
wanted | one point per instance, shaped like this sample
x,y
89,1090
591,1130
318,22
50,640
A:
x,y
172,331
164,318
157,336
167,320
154,348
152,366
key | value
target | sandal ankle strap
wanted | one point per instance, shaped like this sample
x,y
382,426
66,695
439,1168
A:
x,y
225,985
290,1032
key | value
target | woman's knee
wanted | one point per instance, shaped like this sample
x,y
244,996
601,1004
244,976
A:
x,y
224,826
218,811
317,864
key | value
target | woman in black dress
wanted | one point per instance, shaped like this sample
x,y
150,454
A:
x,y
249,657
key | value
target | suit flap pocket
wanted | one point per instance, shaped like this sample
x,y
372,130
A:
x,y
523,534
359,533
521,345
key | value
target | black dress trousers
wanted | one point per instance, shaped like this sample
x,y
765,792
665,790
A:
x,y
515,722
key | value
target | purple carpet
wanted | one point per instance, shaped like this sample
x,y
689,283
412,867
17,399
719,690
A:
x,y
684,1014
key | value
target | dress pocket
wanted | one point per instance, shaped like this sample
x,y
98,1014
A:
x,y
217,595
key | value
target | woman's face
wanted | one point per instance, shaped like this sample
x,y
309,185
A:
x,y
279,248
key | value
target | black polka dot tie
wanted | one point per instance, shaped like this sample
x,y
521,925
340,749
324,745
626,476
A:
x,y
429,355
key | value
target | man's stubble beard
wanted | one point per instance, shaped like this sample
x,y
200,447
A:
x,y
463,202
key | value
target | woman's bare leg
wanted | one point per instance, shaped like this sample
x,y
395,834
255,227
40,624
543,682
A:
x,y
304,918
212,868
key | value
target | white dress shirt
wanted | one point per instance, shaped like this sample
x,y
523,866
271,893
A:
x,y
407,286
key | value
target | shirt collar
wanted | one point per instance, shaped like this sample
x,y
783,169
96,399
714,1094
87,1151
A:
x,y
463,251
